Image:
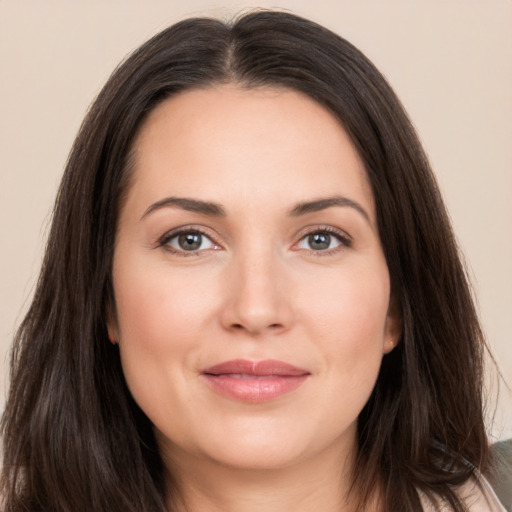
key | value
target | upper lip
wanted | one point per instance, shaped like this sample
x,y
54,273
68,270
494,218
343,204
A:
x,y
258,368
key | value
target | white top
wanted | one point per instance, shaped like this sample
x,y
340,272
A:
x,y
477,498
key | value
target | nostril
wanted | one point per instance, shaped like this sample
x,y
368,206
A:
x,y
239,327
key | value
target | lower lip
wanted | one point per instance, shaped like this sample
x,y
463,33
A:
x,y
255,389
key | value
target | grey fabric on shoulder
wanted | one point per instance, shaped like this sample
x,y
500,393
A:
x,y
501,479
477,496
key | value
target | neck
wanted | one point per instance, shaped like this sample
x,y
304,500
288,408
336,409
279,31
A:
x,y
309,486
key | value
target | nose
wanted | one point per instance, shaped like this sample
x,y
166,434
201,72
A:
x,y
258,299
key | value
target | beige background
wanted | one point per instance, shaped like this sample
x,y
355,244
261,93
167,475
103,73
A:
x,y
449,61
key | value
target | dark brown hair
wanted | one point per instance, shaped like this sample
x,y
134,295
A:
x,y
74,439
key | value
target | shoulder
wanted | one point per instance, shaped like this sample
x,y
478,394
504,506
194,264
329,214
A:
x,y
478,496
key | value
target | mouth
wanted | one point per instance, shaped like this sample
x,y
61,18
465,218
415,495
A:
x,y
254,381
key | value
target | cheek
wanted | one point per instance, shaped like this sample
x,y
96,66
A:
x,y
160,317
347,318
156,309
349,305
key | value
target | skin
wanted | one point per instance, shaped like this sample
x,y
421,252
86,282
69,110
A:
x,y
255,289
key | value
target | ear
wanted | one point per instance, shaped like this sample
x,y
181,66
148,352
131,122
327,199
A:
x,y
112,327
393,327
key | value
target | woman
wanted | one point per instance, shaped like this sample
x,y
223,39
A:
x,y
251,297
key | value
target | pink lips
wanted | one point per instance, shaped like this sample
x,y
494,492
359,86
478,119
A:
x,y
254,382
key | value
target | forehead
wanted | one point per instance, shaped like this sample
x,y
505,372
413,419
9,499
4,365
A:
x,y
227,142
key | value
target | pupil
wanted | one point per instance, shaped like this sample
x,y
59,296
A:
x,y
319,241
190,241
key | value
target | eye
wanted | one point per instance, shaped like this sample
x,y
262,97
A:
x,y
189,241
323,241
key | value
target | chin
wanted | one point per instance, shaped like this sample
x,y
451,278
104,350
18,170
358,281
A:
x,y
257,456
258,446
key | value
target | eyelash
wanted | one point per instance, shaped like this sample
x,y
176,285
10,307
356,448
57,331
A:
x,y
343,238
167,237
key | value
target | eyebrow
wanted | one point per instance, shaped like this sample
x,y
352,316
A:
x,y
190,205
318,205
216,210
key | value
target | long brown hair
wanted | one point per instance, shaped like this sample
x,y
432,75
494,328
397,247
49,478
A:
x,y
74,439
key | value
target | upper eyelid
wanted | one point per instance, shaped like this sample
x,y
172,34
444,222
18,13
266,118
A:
x,y
172,233
323,228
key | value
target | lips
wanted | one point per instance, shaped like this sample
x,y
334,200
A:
x,y
254,382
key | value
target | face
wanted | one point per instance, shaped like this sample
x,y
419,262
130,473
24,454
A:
x,y
252,294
